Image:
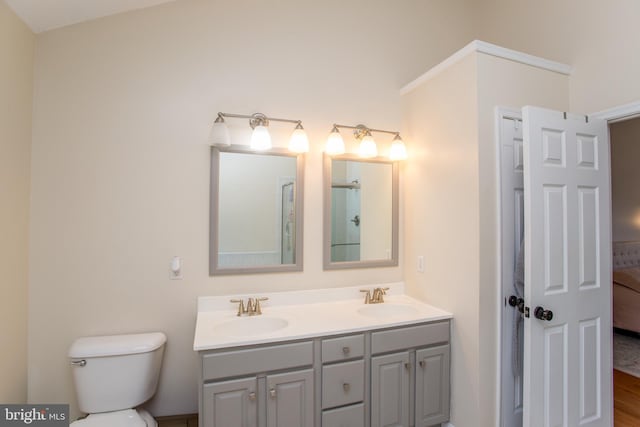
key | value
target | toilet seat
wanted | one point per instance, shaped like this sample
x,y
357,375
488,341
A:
x,y
124,418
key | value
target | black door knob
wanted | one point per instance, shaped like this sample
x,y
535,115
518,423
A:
x,y
514,301
542,314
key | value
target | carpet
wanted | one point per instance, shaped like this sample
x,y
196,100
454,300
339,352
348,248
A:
x,y
626,353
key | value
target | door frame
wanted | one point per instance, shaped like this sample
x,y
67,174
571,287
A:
x,y
611,115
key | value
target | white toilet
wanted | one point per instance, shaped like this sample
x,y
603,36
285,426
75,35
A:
x,y
113,375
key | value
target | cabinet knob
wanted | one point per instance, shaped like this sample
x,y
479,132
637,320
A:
x,y
421,363
252,396
407,366
346,387
346,350
272,393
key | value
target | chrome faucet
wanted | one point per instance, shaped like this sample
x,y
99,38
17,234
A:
x,y
377,297
252,308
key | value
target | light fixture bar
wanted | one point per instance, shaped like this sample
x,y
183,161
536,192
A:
x,y
367,148
260,138
362,127
254,116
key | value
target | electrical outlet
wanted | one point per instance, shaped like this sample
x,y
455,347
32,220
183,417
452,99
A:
x,y
420,264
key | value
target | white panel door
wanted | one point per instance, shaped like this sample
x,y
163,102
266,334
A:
x,y
512,227
567,357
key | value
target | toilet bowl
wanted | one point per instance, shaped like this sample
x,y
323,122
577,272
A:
x,y
124,418
115,374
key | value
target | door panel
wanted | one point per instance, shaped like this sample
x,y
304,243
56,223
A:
x,y
567,358
432,386
231,403
290,399
390,390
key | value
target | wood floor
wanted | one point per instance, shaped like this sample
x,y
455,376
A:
x,y
626,400
626,403
190,420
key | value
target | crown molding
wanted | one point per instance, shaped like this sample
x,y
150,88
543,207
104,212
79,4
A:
x,y
488,49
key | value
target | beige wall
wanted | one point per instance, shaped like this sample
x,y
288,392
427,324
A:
x,y
120,174
598,38
16,74
625,175
441,216
451,209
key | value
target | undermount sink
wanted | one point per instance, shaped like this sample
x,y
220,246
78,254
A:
x,y
386,310
247,326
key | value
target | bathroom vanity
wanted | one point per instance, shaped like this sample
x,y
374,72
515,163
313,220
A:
x,y
325,359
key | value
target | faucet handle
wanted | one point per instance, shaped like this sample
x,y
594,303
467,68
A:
x,y
367,297
258,309
240,303
379,293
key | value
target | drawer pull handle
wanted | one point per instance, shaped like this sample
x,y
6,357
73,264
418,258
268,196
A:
x,y
272,393
421,363
407,366
252,396
346,387
346,350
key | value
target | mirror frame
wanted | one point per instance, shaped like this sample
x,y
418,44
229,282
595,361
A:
x,y
395,186
214,214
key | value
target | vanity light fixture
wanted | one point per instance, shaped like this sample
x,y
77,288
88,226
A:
x,y
367,148
299,143
260,138
335,143
398,151
219,134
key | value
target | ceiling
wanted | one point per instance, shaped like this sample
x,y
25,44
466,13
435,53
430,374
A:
x,y
44,15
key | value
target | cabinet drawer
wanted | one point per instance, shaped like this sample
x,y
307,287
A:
x,y
413,336
256,360
336,349
342,384
349,416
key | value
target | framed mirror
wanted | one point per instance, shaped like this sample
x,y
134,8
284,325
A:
x,y
360,212
255,211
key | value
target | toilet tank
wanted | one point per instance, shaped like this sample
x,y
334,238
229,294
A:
x,y
116,372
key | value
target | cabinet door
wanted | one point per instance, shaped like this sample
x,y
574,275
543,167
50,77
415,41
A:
x,y
390,390
290,400
432,386
230,403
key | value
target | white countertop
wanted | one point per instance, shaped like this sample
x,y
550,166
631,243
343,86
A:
x,y
308,314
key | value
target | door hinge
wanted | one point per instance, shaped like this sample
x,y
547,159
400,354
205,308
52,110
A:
x,y
526,312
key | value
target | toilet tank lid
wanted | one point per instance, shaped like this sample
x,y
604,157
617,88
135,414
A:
x,y
115,345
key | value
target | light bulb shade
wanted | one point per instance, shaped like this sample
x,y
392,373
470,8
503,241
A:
x,y
335,144
368,147
260,138
219,134
398,150
299,143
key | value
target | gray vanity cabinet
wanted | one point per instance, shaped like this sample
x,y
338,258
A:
x,y
410,376
290,399
231,403
259,386
432,386
390,376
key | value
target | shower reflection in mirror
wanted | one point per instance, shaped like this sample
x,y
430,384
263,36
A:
x,y
256,211
360,212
